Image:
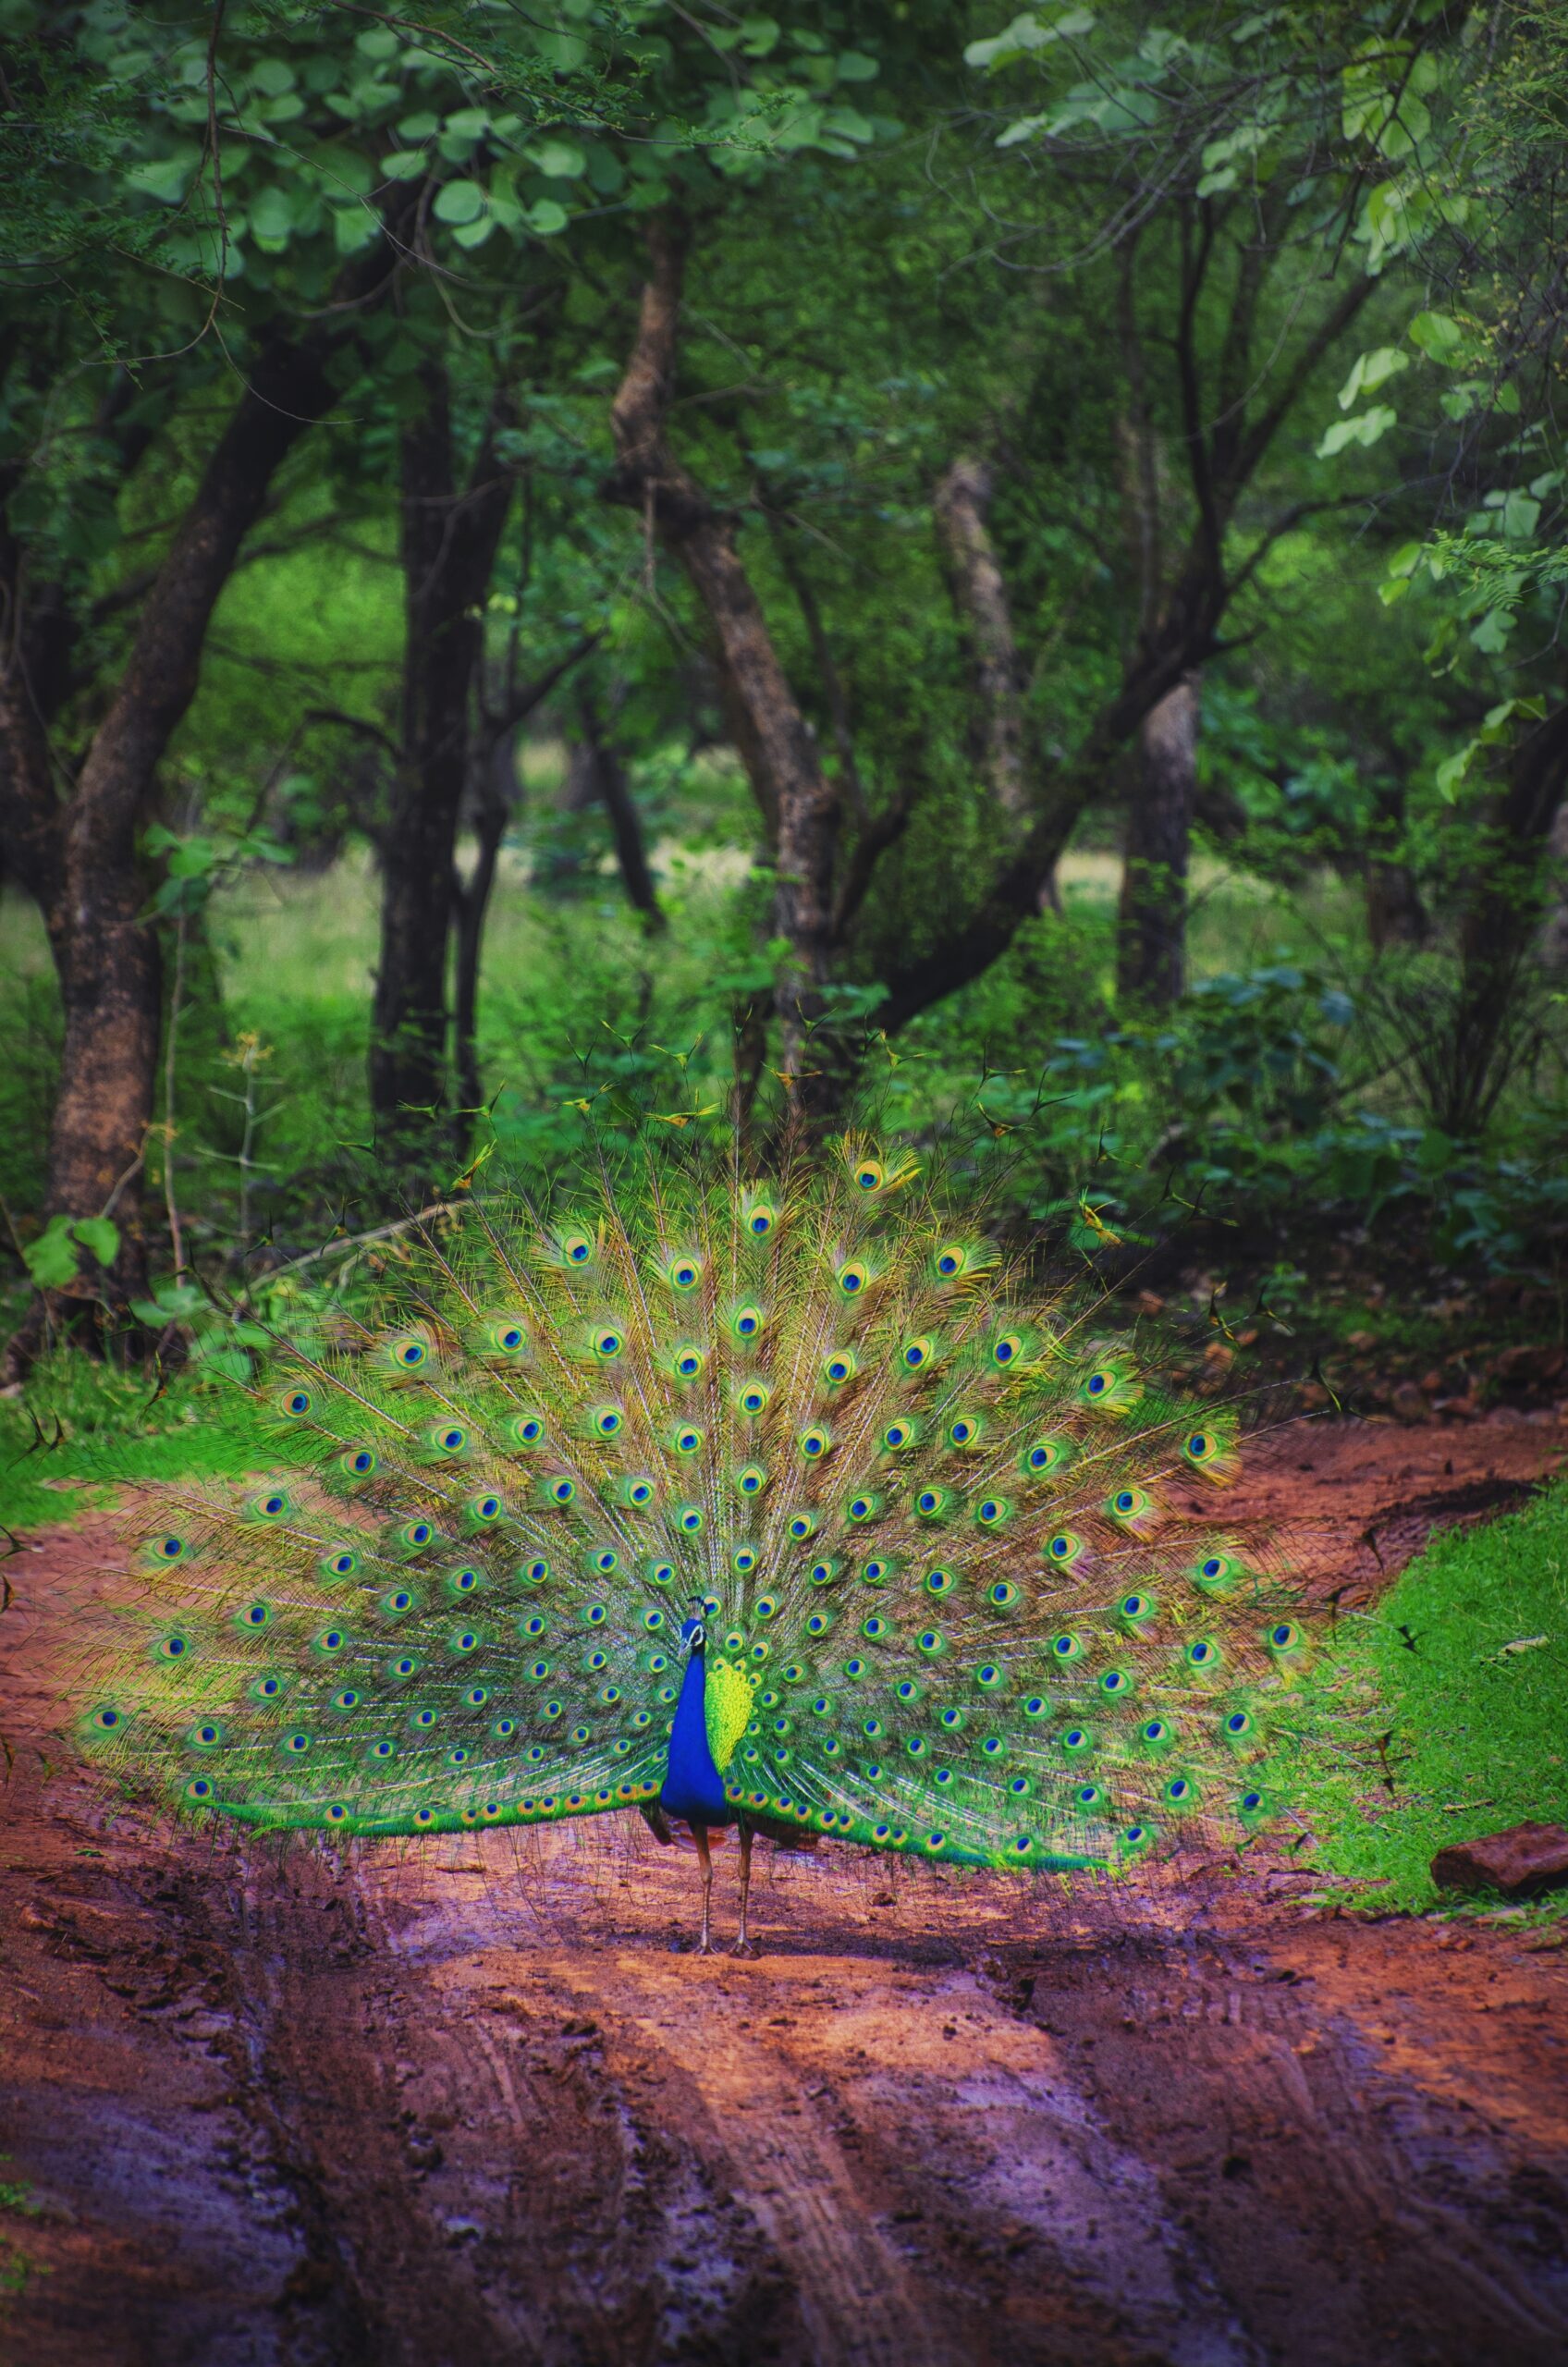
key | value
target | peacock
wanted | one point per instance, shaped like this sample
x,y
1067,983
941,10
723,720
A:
x,y
787,1505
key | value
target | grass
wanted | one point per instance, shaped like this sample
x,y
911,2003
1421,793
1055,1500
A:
x,y
1468,1653
97,1428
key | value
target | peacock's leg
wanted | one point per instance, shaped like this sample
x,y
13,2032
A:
x,y
742,1946
700,1835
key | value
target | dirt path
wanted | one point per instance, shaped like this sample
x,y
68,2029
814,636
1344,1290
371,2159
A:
x,y
476,2102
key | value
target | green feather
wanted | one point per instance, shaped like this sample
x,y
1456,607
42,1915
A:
x,y
960,1614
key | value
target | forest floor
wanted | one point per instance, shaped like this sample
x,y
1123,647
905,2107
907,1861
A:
x,y
477,2100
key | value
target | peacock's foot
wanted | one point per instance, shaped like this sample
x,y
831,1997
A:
x,y
705,1947
745,1948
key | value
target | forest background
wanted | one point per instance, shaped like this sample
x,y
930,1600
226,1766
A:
x,y
630,571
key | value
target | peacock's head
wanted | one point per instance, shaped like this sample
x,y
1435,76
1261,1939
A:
x,y
694,1630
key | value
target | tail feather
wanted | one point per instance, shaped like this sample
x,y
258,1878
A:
x,y
949,1536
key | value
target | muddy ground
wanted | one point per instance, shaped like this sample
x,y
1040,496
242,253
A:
x,y
476,2102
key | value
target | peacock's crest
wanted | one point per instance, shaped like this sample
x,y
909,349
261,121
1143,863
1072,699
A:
x,y
948,1545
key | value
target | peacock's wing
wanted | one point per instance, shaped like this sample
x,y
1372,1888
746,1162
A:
x,y
949,1547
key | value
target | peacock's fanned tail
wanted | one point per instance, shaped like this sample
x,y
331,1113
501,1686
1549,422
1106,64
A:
x,y
959,1600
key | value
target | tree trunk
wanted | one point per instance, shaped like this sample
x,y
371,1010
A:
x,y
493,812
1395,914
448,550
613,792
997,738
1554,935
1151,947
105,953
1498,933
798,801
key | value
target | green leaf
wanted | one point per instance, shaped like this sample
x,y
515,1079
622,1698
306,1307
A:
x,y
271,77
759,36
1519,516
1371,371
855,66
272,219
164,177
1438,337
459,202
547,220
100,1236
52,1260
1365,429
558,159
1491,635
1452,771
404,165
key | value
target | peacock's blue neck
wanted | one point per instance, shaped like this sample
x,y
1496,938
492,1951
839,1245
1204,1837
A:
x,y
692,1786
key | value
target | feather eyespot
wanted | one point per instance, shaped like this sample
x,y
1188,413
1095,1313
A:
x,y
816,1441
753,1399
609,1341
852,1276
964,1430
750,1479
684,1272
840,1368
760,1219
358,1462
296,1403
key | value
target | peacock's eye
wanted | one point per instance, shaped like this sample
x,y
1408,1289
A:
x,y
684,1273
852,1278
761,1217
608,1342
870,1175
